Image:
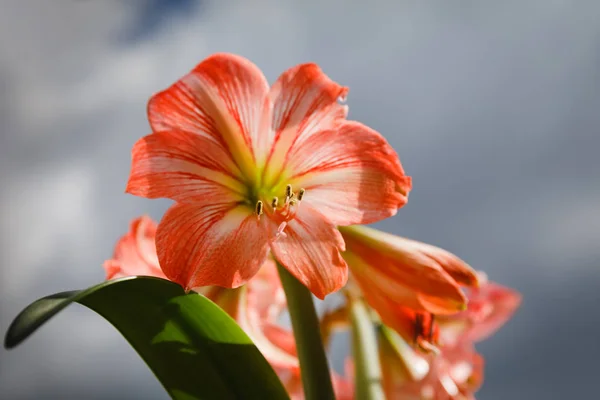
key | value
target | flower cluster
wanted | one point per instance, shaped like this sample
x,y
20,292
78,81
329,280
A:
x,y
264,176
423,355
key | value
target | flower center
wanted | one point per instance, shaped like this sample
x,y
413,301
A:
x,y
281,209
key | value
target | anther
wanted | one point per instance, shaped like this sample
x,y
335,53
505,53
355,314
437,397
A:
x,y
301,194
259,208
418,327
274,202
288,191
431,327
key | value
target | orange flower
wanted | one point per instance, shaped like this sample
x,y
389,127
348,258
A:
x,y
454,373
454,370
392,271
254,169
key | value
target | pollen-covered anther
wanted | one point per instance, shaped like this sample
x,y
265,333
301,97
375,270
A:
x,y
259,208
274,203
287,211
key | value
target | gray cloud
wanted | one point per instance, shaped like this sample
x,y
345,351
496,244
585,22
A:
x,y
492,107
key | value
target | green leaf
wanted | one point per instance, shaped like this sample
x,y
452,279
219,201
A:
x,y
193,347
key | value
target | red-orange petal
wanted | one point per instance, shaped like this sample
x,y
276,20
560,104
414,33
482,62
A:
x,y
135,252
497,305
351,174
282,338
460,271
465,367
305,101
225,97
389,266
310,250
201,245
184,167
490,306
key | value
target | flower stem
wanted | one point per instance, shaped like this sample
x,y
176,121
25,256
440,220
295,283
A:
x,y
366,358
314,369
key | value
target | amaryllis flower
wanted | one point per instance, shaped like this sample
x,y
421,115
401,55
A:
x,y
455,373
392,271
135,252
254,169
453,370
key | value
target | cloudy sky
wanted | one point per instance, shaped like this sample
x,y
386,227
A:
x,y
492,106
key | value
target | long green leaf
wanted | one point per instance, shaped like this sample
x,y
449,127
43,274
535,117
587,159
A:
x,y
193,347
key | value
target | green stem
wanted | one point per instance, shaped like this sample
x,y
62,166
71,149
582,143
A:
x,y
314,369
366,358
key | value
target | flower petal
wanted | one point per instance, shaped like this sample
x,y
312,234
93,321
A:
x,y
226,97
386,279
310,250
465,367
184,167
282,338
201,245
135,252
391,266
305,101
351,174
276,343
144,229
490,306
460,271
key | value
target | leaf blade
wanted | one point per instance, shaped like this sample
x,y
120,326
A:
x,y
193,347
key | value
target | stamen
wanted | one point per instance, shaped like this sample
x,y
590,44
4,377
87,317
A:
x,y
418,327
259,208
301,194
424,335
283,213
431,323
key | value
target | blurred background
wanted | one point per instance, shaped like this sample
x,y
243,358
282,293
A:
x,y
493,107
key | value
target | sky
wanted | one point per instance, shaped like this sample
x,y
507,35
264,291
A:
x,y
492,107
